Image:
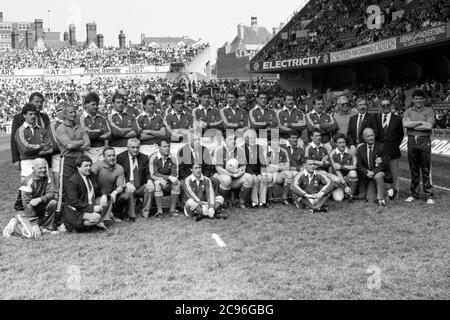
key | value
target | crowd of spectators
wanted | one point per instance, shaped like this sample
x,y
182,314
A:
x,y
341,24
94,58
15,92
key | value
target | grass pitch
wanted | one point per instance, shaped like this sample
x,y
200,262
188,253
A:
x,y
279,253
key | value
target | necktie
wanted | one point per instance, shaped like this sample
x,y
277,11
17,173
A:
x,y
136,177
359,127
385,124
90,187
89,183
369,160
342,157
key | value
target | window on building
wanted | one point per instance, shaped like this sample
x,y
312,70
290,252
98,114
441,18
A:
x,y
24,26
5,26
5,36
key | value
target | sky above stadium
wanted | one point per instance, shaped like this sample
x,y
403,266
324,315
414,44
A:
x,y
212,21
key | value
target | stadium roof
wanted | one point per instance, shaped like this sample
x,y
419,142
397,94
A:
x,y
168,41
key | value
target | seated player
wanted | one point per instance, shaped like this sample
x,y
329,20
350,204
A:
x,y
256,166
85,206
319,152
278,167
201,200
36,200
230,166
296,154
343,163
372,164
164,172
312,188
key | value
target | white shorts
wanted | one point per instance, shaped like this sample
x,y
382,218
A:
x,y
56,159
96,154
26,167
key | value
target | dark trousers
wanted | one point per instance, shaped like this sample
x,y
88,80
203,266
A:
x,y
67,168
419,156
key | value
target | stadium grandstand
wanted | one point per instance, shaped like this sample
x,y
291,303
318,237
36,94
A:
x,y
334,44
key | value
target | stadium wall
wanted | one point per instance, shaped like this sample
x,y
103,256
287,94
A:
x,y
81,74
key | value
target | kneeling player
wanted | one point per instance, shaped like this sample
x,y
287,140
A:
x,y
312,188
343,163
201,200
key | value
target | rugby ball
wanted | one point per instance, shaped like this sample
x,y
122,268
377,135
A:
x,y
232,165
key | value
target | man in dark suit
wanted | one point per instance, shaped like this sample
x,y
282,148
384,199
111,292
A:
x,y
137,176
85,206
372,164
42,120
390,132
358,123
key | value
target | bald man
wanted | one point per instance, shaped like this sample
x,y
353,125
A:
x,y
372,165
37,199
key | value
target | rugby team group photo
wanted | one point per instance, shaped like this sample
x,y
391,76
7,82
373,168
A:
x,y
318,146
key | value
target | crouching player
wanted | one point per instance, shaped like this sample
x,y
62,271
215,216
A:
x,y
312,188
343,163
36,202
201,201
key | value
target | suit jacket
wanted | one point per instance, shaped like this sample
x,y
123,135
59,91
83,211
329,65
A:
x,y
362,163
18,121
124,160
352,132
77,201
186,159
392,137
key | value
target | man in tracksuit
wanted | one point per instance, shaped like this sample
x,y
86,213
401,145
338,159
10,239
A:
x,y
419,121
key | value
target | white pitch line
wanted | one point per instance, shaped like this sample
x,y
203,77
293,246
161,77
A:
x,y
219,241
434,186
